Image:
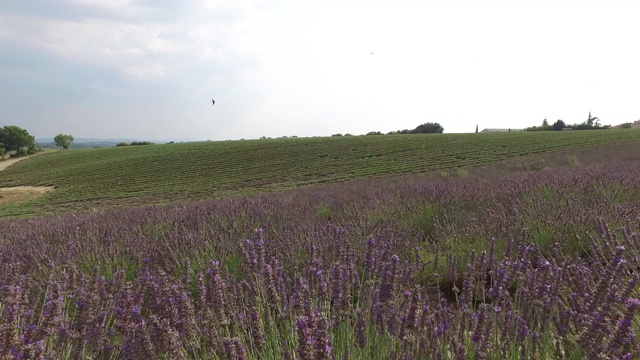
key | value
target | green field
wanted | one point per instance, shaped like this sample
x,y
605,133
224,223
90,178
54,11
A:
x,y
87,179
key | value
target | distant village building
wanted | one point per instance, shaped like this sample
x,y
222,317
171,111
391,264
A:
x,y
500,130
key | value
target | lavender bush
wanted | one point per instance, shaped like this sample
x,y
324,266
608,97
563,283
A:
x,y
540,265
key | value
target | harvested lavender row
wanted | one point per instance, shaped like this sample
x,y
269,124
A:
x,y
543,265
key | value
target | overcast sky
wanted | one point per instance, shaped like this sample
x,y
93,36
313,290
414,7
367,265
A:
x,y
148,69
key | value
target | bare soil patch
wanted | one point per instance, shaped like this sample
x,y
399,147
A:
x,y
17,194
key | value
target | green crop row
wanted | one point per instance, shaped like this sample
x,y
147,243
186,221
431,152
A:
x,y
88,179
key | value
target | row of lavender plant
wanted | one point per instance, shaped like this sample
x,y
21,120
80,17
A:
x,y
556,205
369,305
344,271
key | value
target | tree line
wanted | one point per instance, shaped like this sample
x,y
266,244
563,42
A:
x,y
592,123
16,141
426,128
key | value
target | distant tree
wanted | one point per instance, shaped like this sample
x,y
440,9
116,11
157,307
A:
x,y
592,123
14,138
626,125
138,143
337,134
544,127
374,133
428,128
122,144
476,128
63,141
400,132
558,125
591,120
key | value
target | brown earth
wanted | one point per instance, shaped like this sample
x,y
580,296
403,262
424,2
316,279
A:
x,y
634,125
17,194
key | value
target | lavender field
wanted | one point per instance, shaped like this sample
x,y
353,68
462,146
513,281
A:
x,y
535,265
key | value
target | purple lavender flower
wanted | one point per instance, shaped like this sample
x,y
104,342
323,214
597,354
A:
x,y
234,349
323,344
361,329
305,331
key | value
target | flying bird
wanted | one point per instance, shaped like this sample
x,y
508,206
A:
x,y
213,102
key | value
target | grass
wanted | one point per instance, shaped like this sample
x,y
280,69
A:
x,y
90,179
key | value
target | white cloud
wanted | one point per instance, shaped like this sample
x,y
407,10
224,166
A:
x,y
277,67
130,47
128,7
146,72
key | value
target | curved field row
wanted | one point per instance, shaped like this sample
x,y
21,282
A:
x,y
127,176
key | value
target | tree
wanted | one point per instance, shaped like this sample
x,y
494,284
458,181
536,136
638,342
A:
x,y
428,128
558,125
476,129
591,119
63,141
14,138
138,143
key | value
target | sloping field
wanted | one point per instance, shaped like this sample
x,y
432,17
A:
x,y
127,176
536,265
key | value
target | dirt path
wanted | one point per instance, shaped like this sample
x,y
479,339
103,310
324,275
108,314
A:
x,y
16,194
6,163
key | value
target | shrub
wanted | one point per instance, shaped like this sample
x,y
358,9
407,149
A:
x,y
428,128
22,151
138,143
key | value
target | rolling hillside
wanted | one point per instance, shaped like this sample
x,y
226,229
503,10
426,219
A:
x,y
518,251
87,179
